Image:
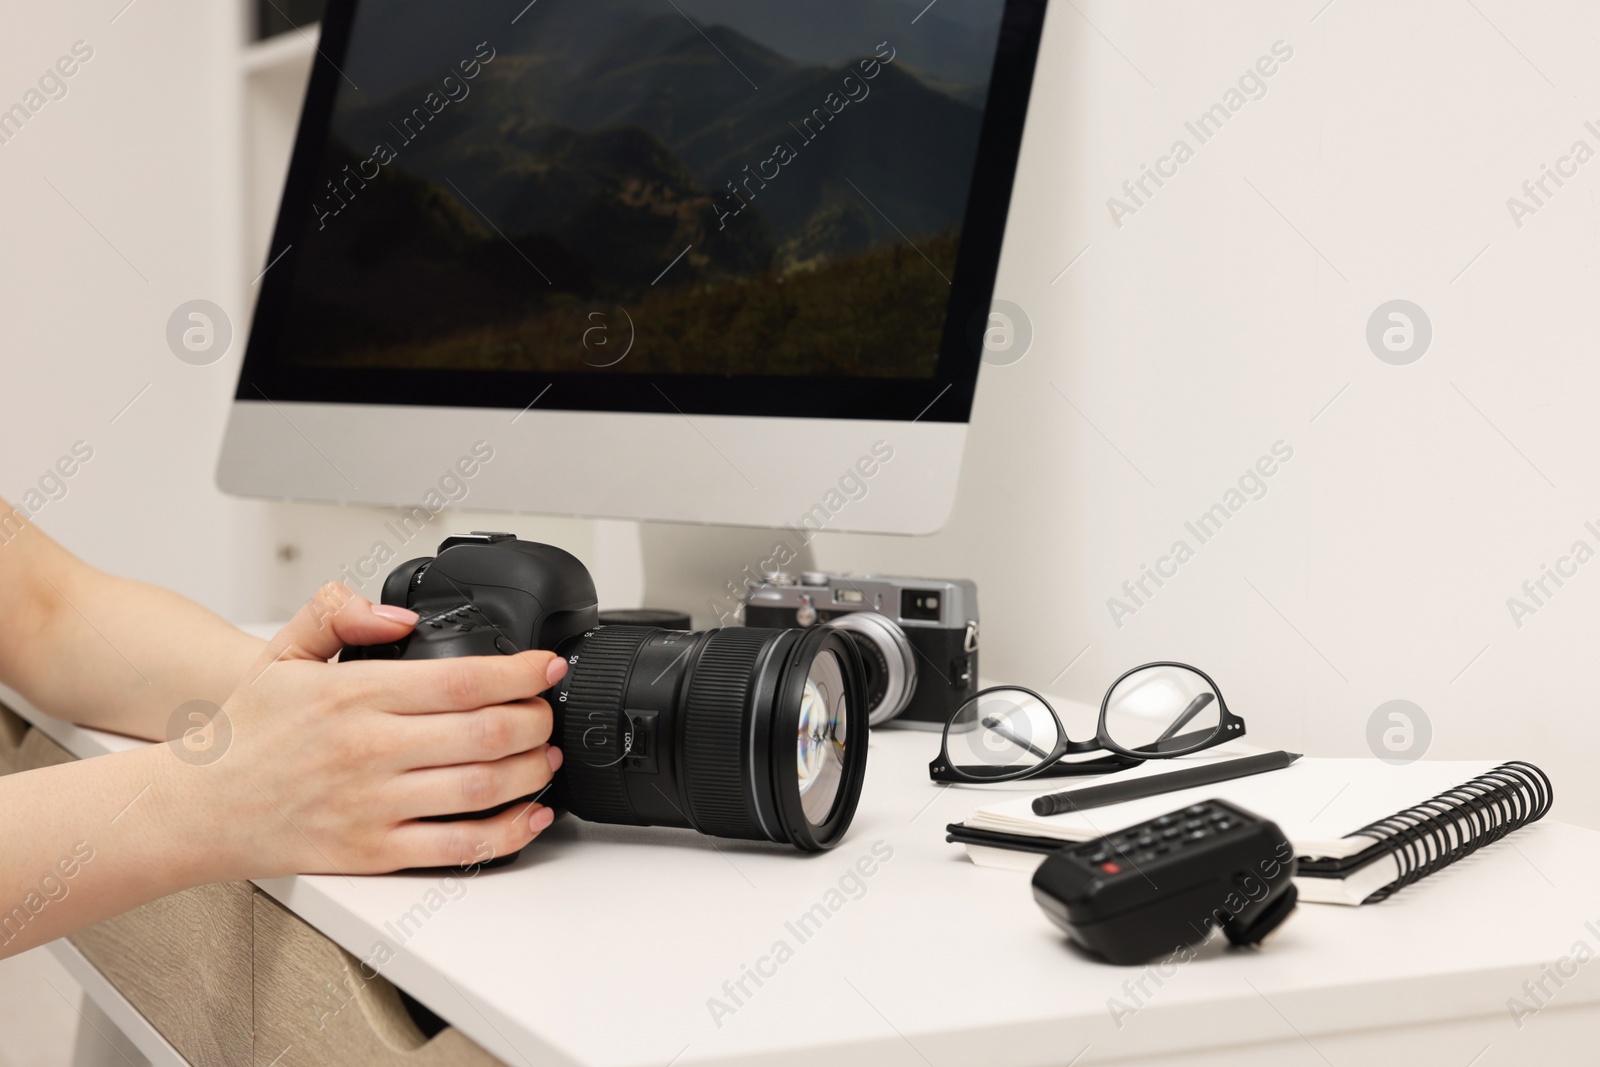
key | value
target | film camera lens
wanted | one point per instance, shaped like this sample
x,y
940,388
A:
x,y
749,733
891,666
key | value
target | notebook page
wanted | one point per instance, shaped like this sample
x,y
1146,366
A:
x,y
1316,802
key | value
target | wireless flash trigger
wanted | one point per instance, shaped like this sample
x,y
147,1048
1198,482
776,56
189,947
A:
x,y
1146,891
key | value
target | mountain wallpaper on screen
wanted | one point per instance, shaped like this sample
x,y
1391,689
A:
x,y
773,188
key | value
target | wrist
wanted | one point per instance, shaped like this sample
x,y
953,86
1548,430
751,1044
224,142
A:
x,y
197,826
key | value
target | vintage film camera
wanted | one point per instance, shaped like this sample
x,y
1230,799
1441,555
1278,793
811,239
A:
x,y
918,636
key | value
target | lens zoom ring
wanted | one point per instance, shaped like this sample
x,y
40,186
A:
x,y
714,759
591,719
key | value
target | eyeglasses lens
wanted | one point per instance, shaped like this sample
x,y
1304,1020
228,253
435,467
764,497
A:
x,y
1163,710
1001,732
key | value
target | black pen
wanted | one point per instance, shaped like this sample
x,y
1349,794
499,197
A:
x,y
1098,796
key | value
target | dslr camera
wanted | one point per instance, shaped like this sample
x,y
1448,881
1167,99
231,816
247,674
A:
x,y
746,733
918,637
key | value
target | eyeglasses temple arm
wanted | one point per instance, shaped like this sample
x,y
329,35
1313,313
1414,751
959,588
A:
x,y
1196,706
1180,743
993,722
1103,765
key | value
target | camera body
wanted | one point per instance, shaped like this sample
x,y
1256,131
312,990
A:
x,y
488,594
937,618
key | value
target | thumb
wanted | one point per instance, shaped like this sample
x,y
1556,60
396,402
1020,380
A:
x,y
336,617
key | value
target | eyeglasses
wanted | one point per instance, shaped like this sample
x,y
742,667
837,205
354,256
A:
x,y
1008,733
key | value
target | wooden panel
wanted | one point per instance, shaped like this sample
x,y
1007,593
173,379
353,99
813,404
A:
x,y
13,728
37,750
314,1006
184,962
230,977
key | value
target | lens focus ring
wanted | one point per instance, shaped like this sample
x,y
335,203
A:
x,y
714,757
592,721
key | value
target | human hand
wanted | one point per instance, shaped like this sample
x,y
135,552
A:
x,y
331,766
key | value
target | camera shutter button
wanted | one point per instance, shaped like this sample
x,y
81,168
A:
x,y
503,645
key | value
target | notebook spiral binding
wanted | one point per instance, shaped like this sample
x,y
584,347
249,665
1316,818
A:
x,y
1459,821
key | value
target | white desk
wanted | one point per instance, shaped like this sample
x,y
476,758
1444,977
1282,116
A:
x,y
602,946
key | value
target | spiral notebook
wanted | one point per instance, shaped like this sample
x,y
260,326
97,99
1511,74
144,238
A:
x,y
1363,829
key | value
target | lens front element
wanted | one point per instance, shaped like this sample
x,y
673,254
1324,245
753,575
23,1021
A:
x,y
820,736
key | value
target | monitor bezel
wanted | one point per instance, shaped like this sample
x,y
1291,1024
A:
x,y
945,397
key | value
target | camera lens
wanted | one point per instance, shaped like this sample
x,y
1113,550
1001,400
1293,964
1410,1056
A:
x,y
890,663
741,732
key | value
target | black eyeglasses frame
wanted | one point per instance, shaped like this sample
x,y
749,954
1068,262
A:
x,y
1051,765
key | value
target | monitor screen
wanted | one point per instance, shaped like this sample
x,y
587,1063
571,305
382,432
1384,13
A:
x,y
777,207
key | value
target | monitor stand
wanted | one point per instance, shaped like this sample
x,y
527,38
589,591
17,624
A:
x,y
704,570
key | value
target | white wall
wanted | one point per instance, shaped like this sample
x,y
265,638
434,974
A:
x,y
142,146
1220,318
1226,315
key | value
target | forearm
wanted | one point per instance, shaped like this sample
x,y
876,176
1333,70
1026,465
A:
x,y
126,655
324,768
108,652
90,839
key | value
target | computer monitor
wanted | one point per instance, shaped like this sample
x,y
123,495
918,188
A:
x,y
706,261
